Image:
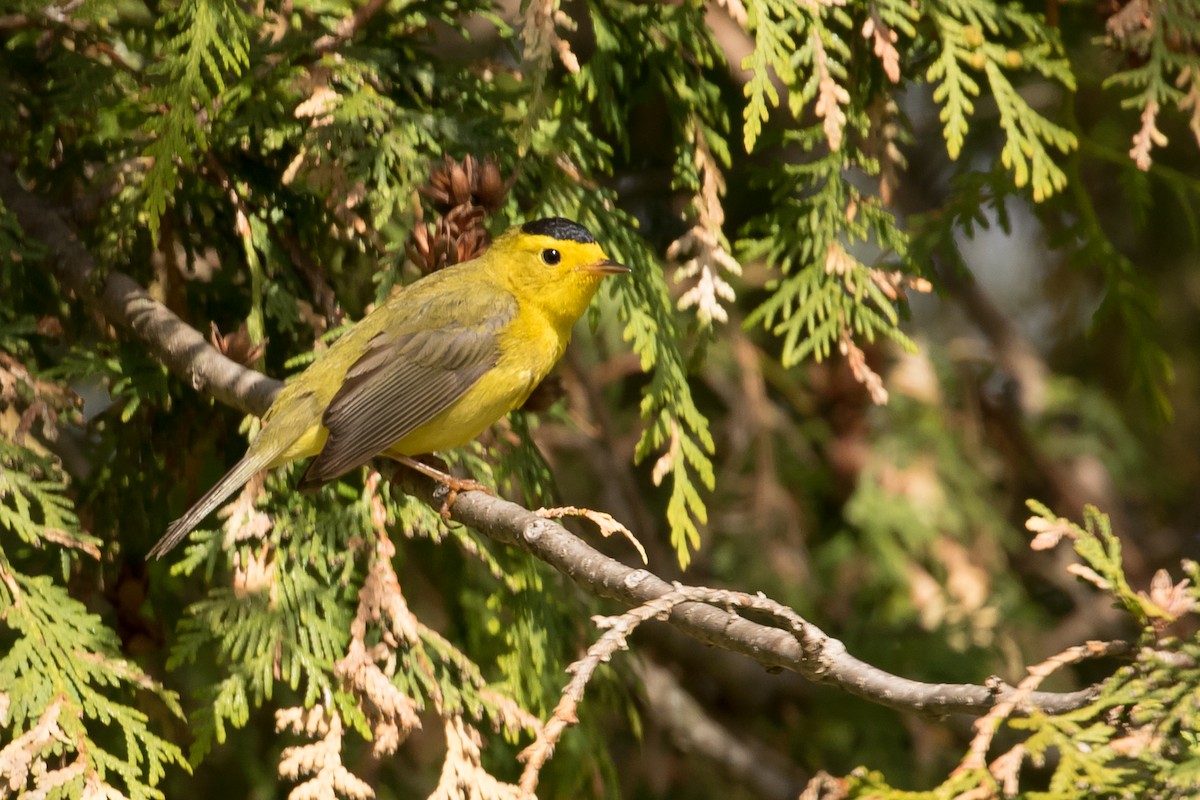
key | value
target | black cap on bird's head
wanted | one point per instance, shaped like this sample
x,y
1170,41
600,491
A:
x,y
560,228
564,230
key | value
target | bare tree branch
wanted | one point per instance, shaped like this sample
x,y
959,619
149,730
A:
x,y
804,648
127,305
1015,354
709,615
743,758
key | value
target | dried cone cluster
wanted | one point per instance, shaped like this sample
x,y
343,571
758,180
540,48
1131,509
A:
x,y
464,193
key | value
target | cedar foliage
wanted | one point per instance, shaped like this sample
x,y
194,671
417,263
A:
x,y
758,401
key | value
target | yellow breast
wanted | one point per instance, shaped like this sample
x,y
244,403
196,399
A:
x,y
529,349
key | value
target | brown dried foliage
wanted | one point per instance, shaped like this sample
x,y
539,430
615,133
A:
x,y
36,399
237,346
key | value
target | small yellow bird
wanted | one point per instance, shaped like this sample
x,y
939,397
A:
x,y
431,368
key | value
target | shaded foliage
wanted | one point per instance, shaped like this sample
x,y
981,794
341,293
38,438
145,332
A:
x,y
770,401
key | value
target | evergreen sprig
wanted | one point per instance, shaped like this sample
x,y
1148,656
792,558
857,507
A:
x,y
680,44
811,238
1139,737
1163,44
34,503
995,40
72,711
208,49
675,428
773,24
283,621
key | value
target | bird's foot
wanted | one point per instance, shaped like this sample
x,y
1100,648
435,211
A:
x,y
454,485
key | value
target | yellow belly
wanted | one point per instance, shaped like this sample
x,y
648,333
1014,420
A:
x,y
491,398
534,348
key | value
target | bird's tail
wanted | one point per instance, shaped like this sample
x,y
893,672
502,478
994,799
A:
x,y
233,480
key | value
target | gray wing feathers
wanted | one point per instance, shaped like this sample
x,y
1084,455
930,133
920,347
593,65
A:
x,y
402,381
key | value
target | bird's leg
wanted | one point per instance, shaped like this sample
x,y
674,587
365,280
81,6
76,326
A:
x,y
453,484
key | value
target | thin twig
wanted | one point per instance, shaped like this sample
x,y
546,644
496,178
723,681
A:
x,y
614,638
987,725
746,761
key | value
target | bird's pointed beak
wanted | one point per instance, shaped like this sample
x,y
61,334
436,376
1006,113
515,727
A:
x,y
606,267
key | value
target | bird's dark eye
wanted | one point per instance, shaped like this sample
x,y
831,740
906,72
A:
x,y
551,256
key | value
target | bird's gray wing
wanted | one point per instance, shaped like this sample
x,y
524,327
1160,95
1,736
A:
x,y
406,378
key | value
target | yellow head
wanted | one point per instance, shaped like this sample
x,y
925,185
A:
x,y
552,263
